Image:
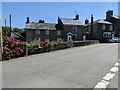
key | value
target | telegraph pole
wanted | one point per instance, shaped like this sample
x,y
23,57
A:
x,y
10,23
5,22
1,42
5,27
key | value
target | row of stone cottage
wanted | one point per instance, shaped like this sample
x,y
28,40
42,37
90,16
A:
x,y
72,29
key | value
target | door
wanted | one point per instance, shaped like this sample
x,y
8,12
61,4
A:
x,y
69,38
84,38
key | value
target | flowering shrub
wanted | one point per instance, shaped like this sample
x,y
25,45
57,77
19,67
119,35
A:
x,y
33,47
12,48
37,46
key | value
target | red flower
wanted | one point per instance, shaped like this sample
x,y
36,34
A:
x,y
6,45
11,54
21,50
7,49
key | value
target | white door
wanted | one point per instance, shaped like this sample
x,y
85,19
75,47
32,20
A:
x,y
113,35
69,38
84,38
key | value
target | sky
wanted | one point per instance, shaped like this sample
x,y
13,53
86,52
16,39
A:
x,y
49,11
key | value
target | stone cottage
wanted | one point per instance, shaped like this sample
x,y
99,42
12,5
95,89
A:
x,y
69,29
102,29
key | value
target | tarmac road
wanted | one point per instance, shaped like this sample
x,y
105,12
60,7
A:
x,y
79,67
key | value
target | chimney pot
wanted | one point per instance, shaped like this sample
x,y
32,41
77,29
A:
x,y
86,21
92,18
28,20
77,17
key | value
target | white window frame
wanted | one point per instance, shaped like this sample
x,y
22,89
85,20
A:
x,y
58,32
74,28
37,32
46,32
103,26
110,27
107,35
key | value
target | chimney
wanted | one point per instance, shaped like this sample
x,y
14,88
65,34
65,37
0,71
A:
x,y
86,21
77,17
92,18
58,17
59,21
108,14
41,21
28,20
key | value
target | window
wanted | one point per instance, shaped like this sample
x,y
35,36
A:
x,y
75,28
37,32
87,29
110,27
47,32
59,32
47,40
29,33
107,34
103,26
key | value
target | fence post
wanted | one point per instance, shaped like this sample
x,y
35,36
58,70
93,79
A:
x,y
26,50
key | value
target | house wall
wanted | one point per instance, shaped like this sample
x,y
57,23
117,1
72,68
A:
x,y
69,28
29,35
98,31
116,25
43,36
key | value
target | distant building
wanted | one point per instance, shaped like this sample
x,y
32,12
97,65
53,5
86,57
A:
x,y
115,20
103,29
40,31
67,29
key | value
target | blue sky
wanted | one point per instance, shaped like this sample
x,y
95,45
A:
x,y
49,11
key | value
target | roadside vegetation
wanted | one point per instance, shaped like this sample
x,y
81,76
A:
x,y
13,48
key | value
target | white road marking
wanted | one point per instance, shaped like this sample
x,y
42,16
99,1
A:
x,y
106,79
117,64
102,84
109,76
114,69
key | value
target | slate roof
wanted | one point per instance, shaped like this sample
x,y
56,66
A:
x,y
100,21
44,26
71,21
16,35
116,16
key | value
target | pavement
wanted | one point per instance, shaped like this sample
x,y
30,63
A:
x,y
79,67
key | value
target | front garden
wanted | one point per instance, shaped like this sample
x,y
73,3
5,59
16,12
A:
x,y
13,48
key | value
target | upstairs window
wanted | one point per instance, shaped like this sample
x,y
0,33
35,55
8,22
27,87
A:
x,y
46,32
74,28
37,32
110,27
87,29
103,26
